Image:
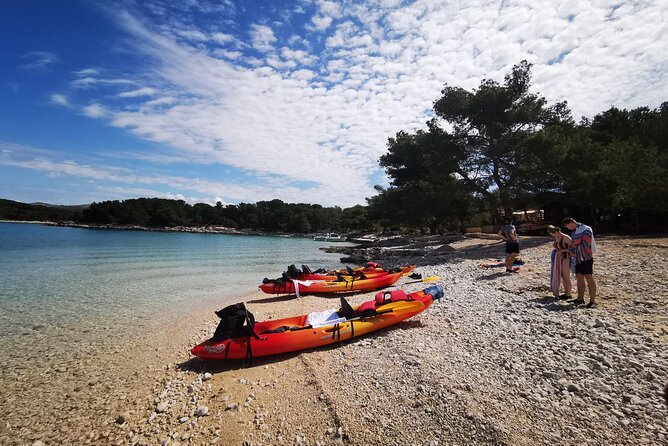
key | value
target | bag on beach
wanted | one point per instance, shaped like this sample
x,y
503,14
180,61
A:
x,y
235,321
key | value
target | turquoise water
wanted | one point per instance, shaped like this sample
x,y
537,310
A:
x,y
117,280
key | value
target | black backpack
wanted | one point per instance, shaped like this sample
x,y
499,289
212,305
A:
x,y
293,272
235,321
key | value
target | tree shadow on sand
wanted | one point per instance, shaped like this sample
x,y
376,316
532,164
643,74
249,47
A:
x,y
494,276
273,299
198,365
284,297
422,255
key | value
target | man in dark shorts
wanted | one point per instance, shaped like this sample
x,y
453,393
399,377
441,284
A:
x,y
583,249
509,234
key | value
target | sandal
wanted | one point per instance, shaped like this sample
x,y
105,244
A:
x,y
565,297
591,305
578,302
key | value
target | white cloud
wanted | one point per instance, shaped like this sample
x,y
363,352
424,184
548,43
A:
x,y
145,91
262,38
39,60
86,72
191,34
89,81
320,120
321,23
94,111
60,99
41,160
222,38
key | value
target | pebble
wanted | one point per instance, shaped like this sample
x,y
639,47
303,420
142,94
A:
x,y
122,417
202,411
504,347
161,407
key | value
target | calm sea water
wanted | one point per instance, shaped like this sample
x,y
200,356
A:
x,y
118,280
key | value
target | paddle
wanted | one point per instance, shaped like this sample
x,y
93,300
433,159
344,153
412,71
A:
x,y
425,280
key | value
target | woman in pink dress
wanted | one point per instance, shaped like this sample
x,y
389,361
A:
x,y
560,270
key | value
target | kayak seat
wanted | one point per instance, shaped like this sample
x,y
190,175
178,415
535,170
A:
x,y
346,310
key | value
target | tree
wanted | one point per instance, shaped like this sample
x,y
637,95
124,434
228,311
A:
x,y
496,138
425,193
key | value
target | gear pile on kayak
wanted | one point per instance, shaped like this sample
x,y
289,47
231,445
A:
x,y
238,336
305,281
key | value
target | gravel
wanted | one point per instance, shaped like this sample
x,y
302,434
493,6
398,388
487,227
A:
x,y
497,362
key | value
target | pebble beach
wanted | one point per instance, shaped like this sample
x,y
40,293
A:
x,y
497,361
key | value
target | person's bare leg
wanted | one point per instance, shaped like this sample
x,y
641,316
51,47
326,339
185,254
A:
x,y
591,285
566,277
513,256
508,261
579,278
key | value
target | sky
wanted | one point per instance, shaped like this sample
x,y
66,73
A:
x,y
241,101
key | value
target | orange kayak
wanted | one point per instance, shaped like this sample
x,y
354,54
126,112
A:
x,y
357,273
299,287
296,333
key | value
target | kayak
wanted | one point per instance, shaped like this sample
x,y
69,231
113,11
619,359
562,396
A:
x,y
299,287
274,337
357,273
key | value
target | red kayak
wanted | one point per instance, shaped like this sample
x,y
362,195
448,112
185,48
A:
x,y
239,337
299,287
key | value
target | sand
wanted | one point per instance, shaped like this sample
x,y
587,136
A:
x,y
498,361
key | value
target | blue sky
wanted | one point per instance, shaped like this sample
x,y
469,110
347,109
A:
x,y
254,100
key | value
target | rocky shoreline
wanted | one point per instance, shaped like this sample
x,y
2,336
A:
x,y
497,361
188,229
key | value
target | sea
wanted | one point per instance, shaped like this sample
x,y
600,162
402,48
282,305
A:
x,y
116,282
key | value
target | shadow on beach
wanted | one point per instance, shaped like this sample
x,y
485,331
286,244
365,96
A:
x,y
431,251
551,303
273,299
285,297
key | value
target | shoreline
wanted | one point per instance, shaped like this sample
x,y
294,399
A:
x,y
497,361
180,229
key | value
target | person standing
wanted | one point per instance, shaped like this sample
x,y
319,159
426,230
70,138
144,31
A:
x,y
560,270
583,248
509,234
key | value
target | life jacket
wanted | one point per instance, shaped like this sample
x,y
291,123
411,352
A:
x,y
383,297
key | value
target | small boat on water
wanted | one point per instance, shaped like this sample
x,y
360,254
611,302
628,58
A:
x,y
329,237
238,336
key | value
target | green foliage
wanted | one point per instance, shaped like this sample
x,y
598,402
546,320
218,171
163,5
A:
x,y
502,146
500,135
267,216
14,210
